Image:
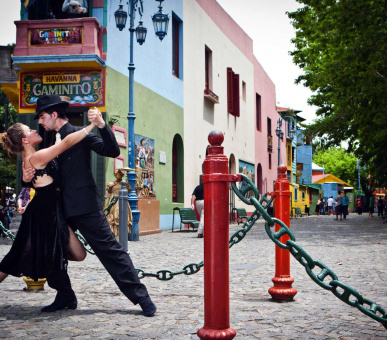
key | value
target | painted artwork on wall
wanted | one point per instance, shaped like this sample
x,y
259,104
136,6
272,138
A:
x,y
247,169
144,155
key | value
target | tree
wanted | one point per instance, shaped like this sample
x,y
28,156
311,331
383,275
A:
x,y
7,162
341,48
339,163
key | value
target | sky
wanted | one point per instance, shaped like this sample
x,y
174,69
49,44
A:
x,y
267,24
265,21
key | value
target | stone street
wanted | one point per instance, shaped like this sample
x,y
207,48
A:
x,y
355,249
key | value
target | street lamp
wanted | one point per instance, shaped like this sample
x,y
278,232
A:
x,y
160,22
279,133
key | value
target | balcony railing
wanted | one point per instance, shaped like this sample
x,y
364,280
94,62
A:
x,y
211,96
75,37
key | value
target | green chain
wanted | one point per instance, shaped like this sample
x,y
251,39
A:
x,y
112,202
193,268
84,243
6,232
346,294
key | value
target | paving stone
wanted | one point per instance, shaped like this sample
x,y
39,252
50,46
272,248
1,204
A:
x,y
353,249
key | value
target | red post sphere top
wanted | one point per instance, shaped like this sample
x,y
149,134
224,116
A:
x,y
282,171
215,138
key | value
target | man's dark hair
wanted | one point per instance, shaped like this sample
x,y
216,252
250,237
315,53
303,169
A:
x,y
59,110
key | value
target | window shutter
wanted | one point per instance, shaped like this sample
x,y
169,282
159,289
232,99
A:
x,y
235,83
230,102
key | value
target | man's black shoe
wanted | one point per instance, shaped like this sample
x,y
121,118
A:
x,y
148,307
57,305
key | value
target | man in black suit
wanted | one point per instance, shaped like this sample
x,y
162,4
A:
x,y
83,207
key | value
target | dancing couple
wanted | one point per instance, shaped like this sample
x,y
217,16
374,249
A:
x,y
66,200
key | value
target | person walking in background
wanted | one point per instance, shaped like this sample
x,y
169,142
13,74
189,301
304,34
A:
x,y
318,206
322,206
359,207
372,207
344,205
338,206
197,198
380,206
330,205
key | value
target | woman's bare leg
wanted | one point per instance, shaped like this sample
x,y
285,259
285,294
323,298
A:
x,y
3,276
76,250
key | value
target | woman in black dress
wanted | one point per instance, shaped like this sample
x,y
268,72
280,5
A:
x,y
43,242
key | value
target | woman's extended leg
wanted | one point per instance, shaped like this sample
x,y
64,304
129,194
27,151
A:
x,y
3,276
76,250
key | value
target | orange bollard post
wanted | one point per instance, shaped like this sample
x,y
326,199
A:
x,y
282,290
216,236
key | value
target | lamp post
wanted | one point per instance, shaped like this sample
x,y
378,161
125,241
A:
x,y
358,169
160,23
280,134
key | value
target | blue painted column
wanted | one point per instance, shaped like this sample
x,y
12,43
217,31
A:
x,y
132,197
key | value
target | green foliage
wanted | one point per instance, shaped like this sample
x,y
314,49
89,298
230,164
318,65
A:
x,y
341,48
7,163
339,163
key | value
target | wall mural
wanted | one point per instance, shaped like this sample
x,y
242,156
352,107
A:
x,y
145,163
247,169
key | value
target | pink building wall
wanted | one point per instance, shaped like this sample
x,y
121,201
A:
x,y
263,86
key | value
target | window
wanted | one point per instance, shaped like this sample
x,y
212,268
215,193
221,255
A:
x,y
208,93
269,161
208,68
176,46
243,91
293,154
258,111
303,195
289,156
269,126
295,195
233,93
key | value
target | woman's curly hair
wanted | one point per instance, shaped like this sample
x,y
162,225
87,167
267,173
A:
x,y
11,140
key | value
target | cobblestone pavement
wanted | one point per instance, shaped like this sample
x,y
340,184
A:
x,y
355,249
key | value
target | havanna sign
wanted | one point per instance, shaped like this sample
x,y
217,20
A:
x,y
79,88
56,36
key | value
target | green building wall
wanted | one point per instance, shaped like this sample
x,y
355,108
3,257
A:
x,y
156,118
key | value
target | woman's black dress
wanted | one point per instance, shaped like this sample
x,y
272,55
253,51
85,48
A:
x,y
41,242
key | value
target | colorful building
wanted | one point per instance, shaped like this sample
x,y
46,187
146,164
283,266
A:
x,y
203,76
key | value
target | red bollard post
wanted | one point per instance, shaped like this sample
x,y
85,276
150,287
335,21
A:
x,y
282,290
216,236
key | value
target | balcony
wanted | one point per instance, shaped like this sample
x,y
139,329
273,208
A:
x,y
211,96
64,43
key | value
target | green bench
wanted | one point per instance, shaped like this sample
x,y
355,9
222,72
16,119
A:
x,y
297,211
187,216
241,214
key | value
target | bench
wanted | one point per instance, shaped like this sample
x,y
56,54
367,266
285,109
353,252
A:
x,y
187,216
297,211
241,214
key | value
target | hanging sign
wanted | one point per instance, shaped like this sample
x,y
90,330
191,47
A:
x,y
79,88
56,36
